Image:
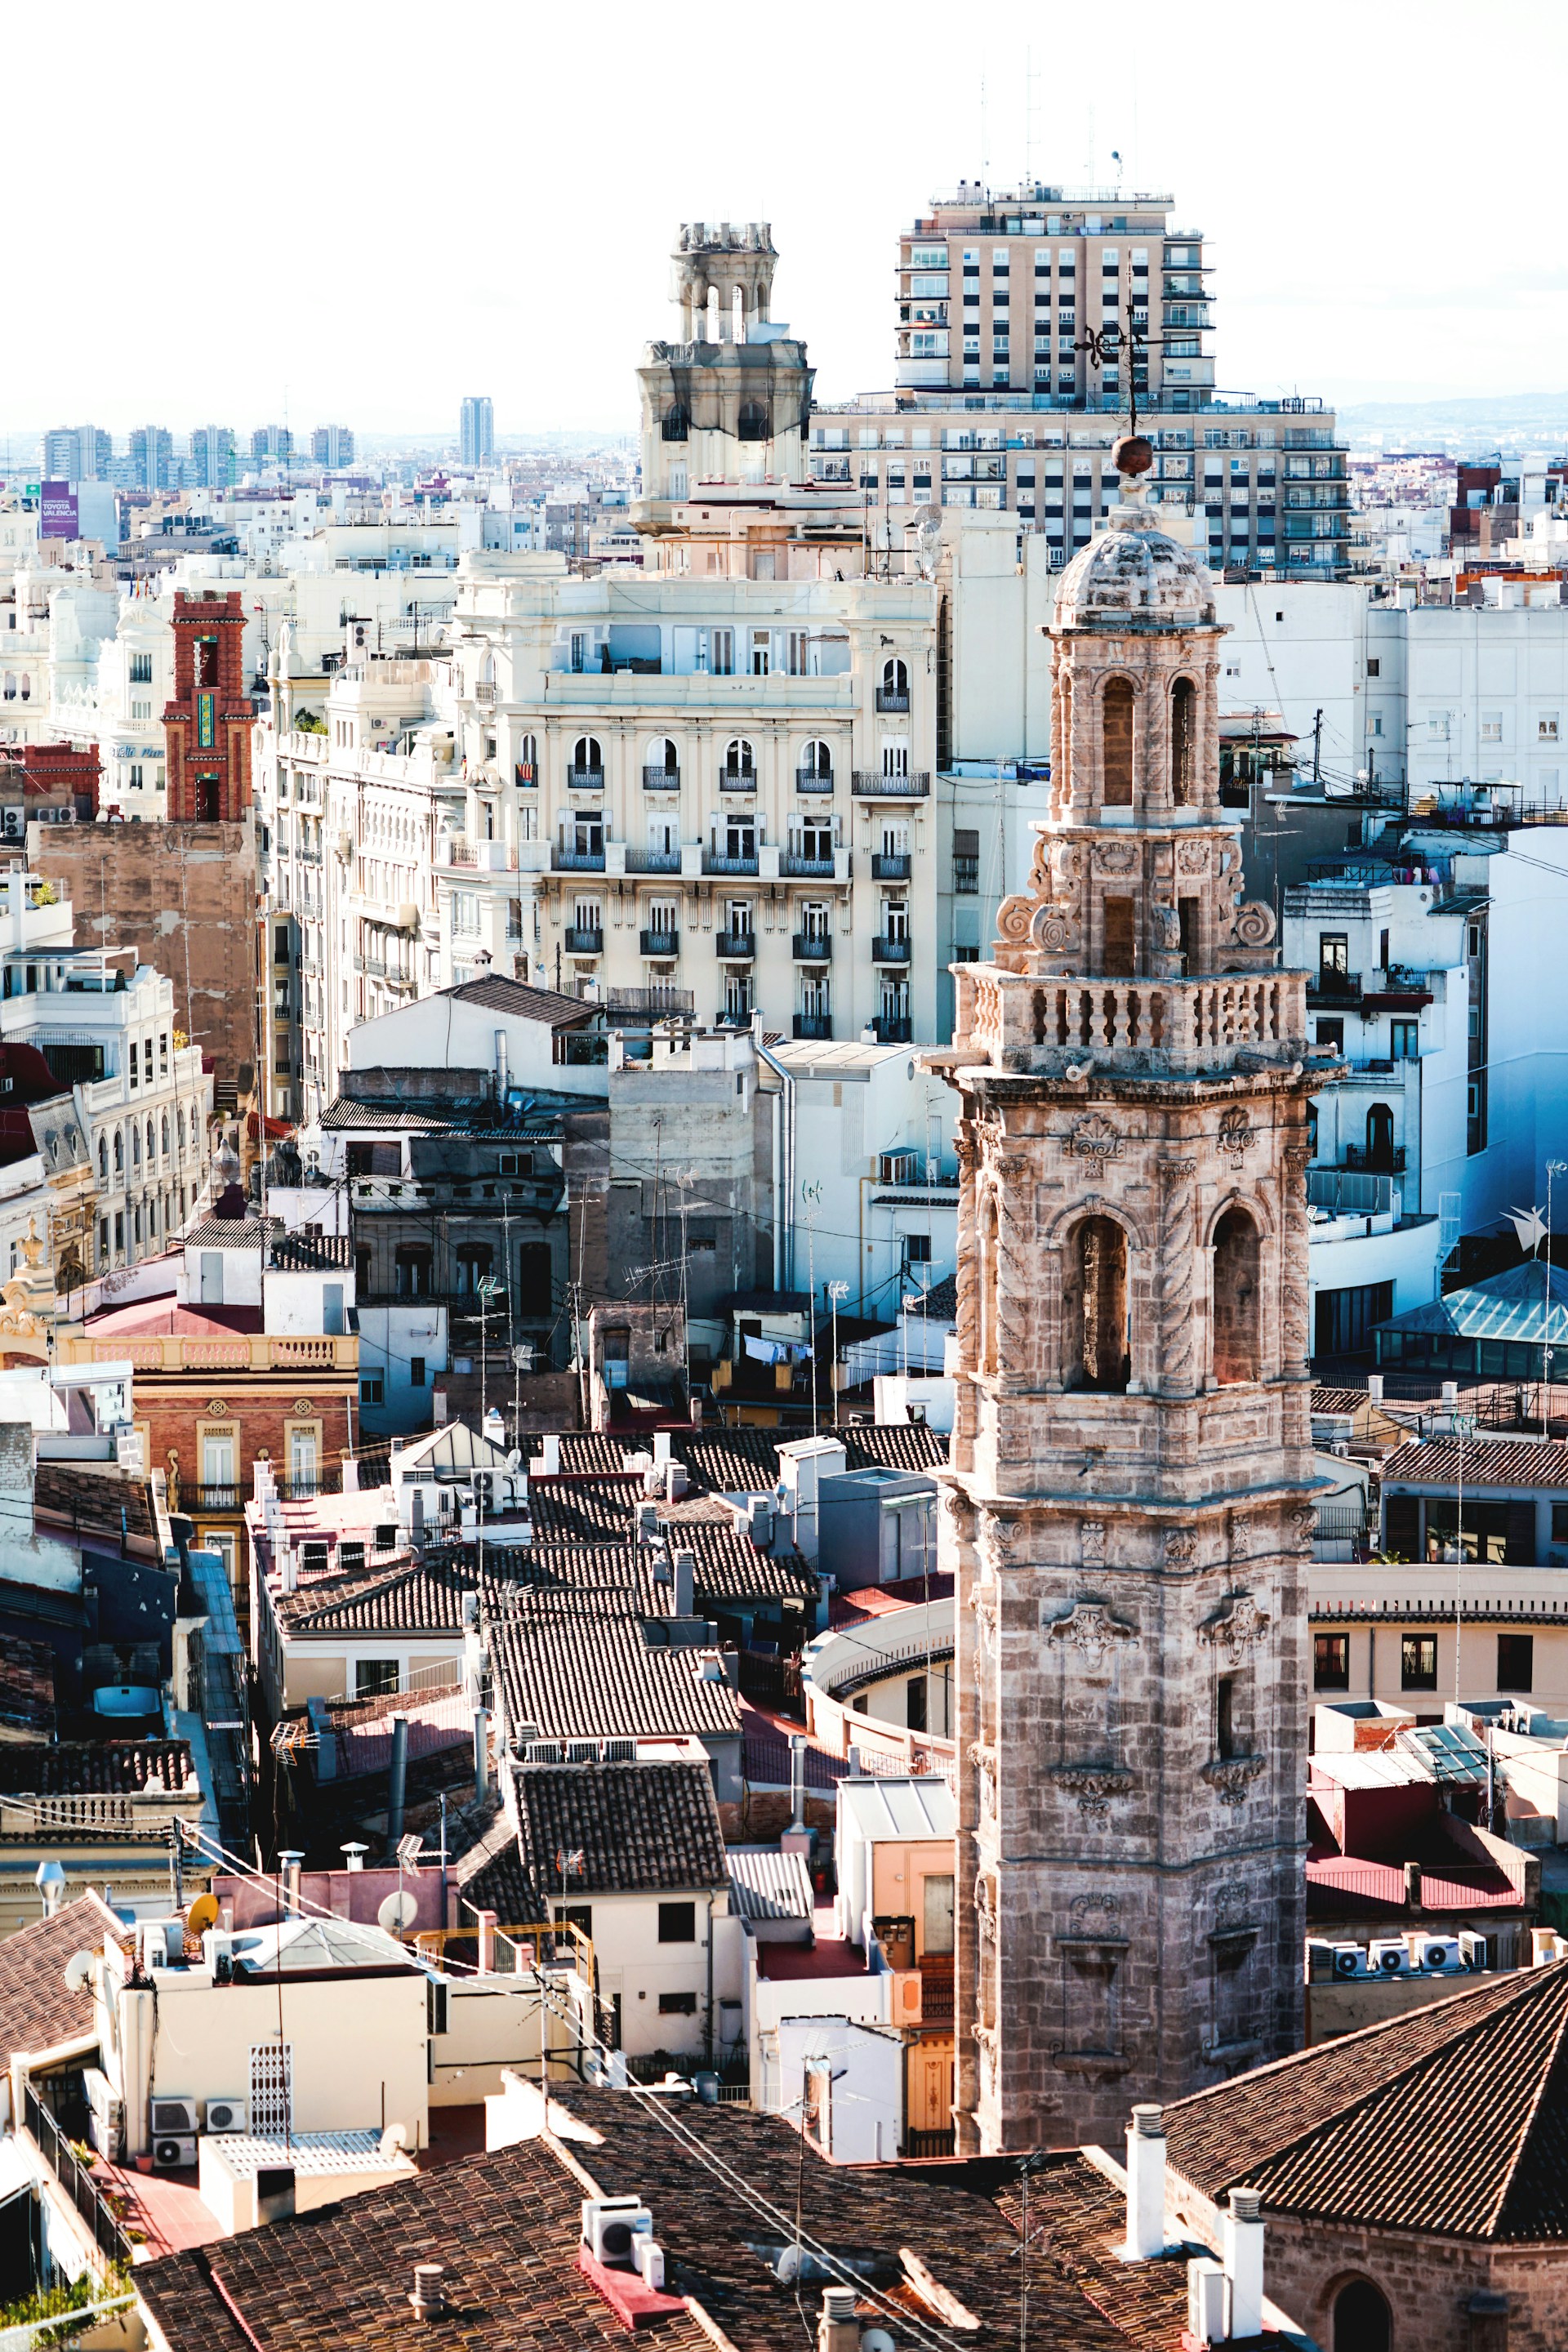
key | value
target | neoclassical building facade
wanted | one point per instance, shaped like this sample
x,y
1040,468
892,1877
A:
x,y
1128,1513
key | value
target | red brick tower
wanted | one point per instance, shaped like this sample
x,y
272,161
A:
x,y
208,724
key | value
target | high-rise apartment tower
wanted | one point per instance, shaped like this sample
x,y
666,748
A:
x,y
477,431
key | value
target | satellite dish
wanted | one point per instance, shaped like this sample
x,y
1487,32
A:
x,y
514,1459
399,1911
201,1915
79,1970
392,2141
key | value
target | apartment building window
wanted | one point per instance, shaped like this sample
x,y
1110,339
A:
x,y
816,919
1546,726
965,861
739,760
737,917
465,915
737,997
1515,1662
1418,1662
1330,1661
722,652
1405,1040
816,996
895,922
141,669
1491,727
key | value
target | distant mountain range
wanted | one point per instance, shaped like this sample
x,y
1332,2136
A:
x,y
1518,424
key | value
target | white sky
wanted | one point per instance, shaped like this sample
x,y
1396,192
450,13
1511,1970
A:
x,y
355,211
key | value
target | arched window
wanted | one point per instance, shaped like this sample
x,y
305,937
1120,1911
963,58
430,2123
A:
x,y
988,1279
894,691
1235,1298
10,685
1361,2320
587,762
103,1158
1380,1138
136,1147
152,1146
180,1125
663,761
817,762
1183,742
737,317
163,1134
738,758
1097,1306
528,761
118,1153
754,425
1116,743
676,425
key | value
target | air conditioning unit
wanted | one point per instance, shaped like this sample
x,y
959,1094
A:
x,y
611,2227
1435,1953
898,1168
164,1945
1389,1956
175,2116
1473,1950
228,2116
1350,1960
174,2153
105,2127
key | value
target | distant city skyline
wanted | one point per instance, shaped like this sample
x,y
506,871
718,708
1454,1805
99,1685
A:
x,y
1354,258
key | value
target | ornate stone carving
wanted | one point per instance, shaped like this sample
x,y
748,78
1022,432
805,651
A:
x,y
1236,1627
1091,1540
1014,916
1302,1522
1230,1777
1093,1632
1254,925
1178,1248
1096,1140
1168,926
1114,856
1181,1547
1093,1785
1054,932
1089,1913
1236,1134
1192,857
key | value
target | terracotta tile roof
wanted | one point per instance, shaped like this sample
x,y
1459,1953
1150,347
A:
x,y
642,1828
89,1497
415,1597
35,2010
745,1461
585,1510
491,1877
1452,2118
496,993
26,1683
1487,1462
581,1666
104,1768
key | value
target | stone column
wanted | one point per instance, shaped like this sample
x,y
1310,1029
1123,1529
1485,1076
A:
x,y
1015,1233
1294,1337
967,1303
1179,1374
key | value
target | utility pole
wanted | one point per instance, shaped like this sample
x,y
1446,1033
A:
x,y
1318,747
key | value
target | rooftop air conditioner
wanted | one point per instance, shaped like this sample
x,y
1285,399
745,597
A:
x,y
1388,1956
173,2116
611,2227
1437,1953
228,2116
174,2153
1473,1950
1350,1960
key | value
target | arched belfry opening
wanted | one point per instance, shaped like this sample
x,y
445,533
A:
x,y
1116,743
1097,1332
1237,1300
1184,744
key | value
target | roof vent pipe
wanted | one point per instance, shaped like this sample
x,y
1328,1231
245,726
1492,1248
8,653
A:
x,y
838,2330
797,1780
482,1755
685,1563
430,2295
1145,2184
1243,2254
500,1065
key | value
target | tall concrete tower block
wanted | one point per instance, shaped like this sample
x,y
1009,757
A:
x,y
1129,1510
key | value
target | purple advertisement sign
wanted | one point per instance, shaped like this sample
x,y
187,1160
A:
x,y
57,511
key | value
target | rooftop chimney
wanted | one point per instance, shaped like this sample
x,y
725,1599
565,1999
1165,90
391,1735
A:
x,y
481,1754
551,1444
685,1579
430,2295
290,1858
1145,2184
661,1445
1374,1388
1244,2263
797,1780
353,1855
838,2330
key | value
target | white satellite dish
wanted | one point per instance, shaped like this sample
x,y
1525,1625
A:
x,y
393,2142
399,1910
79,1970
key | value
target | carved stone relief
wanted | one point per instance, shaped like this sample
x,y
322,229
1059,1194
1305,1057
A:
x,y
1092,1630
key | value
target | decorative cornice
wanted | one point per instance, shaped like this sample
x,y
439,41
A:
x,y
1230,1777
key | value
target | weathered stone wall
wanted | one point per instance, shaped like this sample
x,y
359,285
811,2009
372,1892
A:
x,y
184,896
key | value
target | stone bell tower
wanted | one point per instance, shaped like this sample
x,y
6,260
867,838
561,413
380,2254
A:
x,y
1128,1511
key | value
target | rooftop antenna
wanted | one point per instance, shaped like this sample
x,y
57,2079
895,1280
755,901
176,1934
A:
x,y
1029,116
984,135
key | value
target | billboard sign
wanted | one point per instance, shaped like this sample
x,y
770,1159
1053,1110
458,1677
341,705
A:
x,y
58,515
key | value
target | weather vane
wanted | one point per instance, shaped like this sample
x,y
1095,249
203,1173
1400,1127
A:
x,y
1103,345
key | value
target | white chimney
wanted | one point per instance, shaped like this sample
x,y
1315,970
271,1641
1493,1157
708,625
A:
x,y
1244,2263
1145,2184
500,1065
552,1446
353,1855
287,1563
1374,1388
660,1446
685,1565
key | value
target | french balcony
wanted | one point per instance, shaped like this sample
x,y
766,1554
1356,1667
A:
x,y
795,867
659,943
585,780
744,779
653,861
715,862
868,785
887,950
810,779
218,1498
1327,986
585,940
893,698
890,865
893,1029
736,947
661,780
816,1025
577,861
813,947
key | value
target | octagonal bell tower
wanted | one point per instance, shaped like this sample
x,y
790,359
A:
x,y
1128,1507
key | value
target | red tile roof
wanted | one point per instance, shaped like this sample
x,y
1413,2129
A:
x,y
37,2012
1486,1462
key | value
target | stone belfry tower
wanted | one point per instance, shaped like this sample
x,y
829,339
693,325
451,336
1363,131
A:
x,y
1128,1509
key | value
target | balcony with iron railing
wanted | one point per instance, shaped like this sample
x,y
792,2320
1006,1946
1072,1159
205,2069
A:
x,y
890,947
659,943
812,779
585,940
735,945
653,861
795,867
813,947
1376,1158
576,861
657,1004
585,780
892,1029
740,779
216,1498
890,865
661,780
870,786
893,698
815,1025
714,862
1330,986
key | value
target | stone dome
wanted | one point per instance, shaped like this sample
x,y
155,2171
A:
x,y
1133,572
